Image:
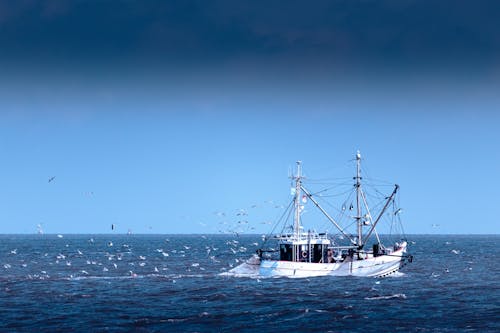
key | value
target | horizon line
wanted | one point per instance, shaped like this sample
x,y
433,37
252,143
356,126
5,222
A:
x,y
227,234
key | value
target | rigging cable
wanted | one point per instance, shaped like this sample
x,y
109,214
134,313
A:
x,y
287,210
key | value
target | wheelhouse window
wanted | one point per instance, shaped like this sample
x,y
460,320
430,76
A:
x,y
318,253
286,252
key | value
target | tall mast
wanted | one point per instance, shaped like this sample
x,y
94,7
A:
x,y
358,197
298,185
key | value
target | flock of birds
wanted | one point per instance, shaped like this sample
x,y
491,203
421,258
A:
x,y
240,221
67,260
236,222
71,262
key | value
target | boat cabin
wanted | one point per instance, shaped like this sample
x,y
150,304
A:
x,y
305,247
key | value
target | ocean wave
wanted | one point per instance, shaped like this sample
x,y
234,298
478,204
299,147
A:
x,y
402,296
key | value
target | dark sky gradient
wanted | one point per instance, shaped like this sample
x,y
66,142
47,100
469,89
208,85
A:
x,y
380,36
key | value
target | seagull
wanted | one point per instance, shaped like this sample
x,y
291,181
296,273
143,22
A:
x,y
220,213
242,212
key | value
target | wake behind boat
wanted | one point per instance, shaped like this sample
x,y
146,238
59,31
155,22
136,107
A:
x,y
345,252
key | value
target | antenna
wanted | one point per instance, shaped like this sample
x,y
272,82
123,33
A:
x,y
298,185
358,198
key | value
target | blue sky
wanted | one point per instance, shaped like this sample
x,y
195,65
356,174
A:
x,y
164,159
153,116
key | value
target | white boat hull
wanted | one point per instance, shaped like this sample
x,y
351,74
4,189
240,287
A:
x,y
372,267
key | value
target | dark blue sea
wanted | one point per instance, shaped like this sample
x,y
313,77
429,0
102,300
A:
x,y
171,283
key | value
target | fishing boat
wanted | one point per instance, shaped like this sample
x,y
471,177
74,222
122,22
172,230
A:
x,y
353,248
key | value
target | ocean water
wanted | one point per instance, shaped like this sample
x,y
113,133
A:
x,y
172,283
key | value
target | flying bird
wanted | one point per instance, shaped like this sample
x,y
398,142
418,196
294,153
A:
x,y
51,179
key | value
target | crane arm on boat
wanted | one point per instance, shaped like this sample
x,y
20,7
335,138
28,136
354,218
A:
x,y
309,195
396,187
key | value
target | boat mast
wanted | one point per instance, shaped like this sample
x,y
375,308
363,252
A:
x,y
358,196
298,185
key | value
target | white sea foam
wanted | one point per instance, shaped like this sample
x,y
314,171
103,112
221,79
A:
x,y
250,268
402,296
92,277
